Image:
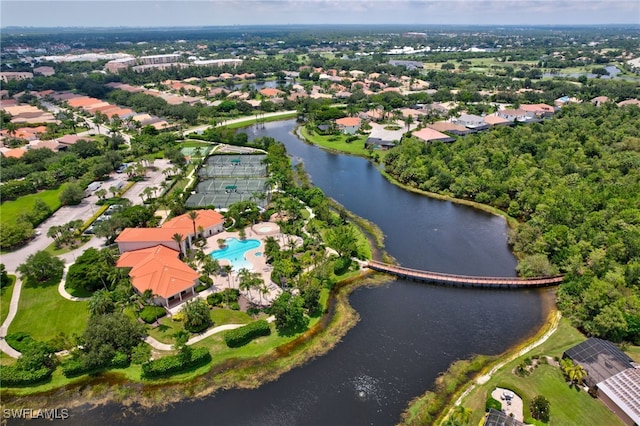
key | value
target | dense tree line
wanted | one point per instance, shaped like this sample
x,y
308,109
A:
x,y
574,183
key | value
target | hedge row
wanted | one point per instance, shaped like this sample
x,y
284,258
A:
x,y
243,335
13,376
77,367
173,364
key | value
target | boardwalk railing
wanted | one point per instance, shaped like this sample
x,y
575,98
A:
x,y
465,280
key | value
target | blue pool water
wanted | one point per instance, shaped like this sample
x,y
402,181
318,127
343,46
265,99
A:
x,y
234,252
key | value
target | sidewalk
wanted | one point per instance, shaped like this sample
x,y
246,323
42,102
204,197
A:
x,y
13,309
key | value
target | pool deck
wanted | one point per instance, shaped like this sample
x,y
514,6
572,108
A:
x,y
259,231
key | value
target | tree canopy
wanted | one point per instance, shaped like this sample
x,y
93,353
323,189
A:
x,y
574,183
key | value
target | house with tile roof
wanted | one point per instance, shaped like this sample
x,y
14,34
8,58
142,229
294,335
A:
x,y
153,254
271,92
430,135
539,110
207,223
349,125
160,270
451,128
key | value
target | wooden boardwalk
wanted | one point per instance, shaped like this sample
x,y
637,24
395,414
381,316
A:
x,y
465,280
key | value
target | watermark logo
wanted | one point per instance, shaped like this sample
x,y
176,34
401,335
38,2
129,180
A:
x,y
36,413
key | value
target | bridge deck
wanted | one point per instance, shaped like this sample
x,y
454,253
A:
x,y
465,280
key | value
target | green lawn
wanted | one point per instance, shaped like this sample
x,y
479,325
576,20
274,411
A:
x,y
168,327
634,352
5,298
44,314
252,120
11,210
356,147
568,406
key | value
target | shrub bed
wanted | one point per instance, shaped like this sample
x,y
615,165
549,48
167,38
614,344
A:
x,y
13,376
492,403
173,364
243,335
151,313
19,341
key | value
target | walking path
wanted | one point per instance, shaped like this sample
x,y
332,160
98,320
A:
x,y
555,321
13,309
195,339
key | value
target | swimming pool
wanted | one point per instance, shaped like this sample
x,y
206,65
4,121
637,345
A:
x,y
234,252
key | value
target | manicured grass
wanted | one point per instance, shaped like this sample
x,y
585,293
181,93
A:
x,y
11,210
356,147
168,327
634,353
221,316
568,405
5,298
44,314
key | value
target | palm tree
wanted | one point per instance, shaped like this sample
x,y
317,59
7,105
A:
x,y
178,238
193,215
100,303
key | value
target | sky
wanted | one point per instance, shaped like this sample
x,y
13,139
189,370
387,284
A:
x,y
168,13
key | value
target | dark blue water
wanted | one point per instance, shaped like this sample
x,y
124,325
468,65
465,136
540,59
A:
x,y
408,332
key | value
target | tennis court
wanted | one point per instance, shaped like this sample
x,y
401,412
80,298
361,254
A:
x,y
226,185
219,200
234,166
228,179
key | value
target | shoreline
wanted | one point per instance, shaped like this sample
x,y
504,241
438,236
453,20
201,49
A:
x,y
113,387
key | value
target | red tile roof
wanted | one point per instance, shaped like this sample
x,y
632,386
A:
x,y
15,153
428,134
270,92
184,225
348,121
158,269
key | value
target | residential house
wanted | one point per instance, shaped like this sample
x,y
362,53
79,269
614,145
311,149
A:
x,y
430,135
69,140
378,143
349,125
611,375
6,76
519,115
600,100
629,102
45,71
539,110
471,121
500,418
494,120
451,128
271,92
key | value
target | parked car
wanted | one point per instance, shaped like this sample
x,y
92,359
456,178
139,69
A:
x,y
89,230
121,168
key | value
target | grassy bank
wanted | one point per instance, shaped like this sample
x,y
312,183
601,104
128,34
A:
x,y
337,142
261,361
